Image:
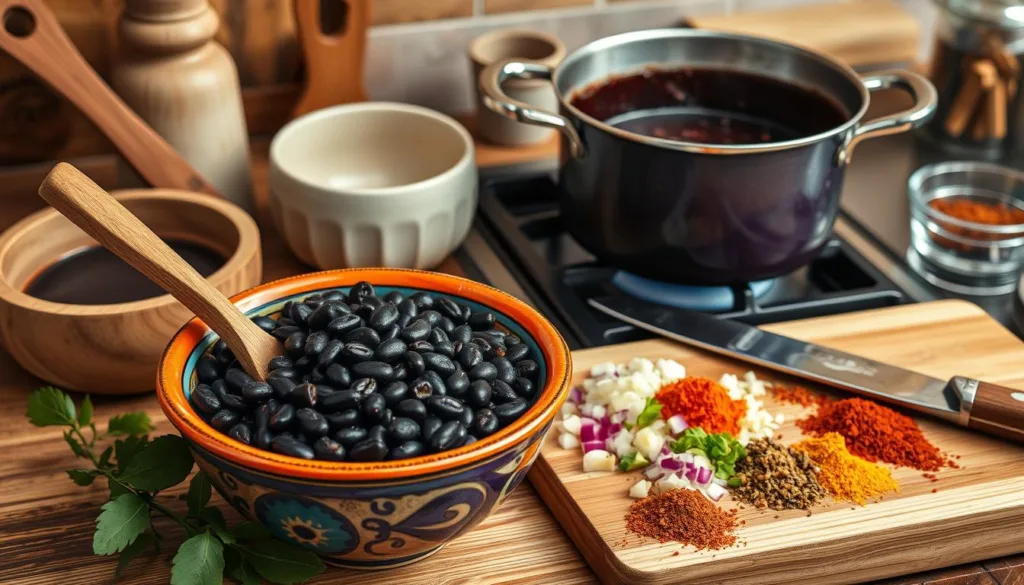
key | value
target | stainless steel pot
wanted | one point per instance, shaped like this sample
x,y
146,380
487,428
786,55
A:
x,y
701,213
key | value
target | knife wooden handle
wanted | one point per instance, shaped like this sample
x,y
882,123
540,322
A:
x,y
994,410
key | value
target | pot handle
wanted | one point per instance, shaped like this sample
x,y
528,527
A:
x,y
925,101
500,103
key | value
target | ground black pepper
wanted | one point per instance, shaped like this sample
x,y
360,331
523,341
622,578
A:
x,y
775,476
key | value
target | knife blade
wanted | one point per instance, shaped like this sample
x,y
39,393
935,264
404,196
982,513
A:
x,y
951,400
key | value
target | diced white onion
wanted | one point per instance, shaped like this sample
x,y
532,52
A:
x,y
568,441
598,460
640,489
677,424
571,424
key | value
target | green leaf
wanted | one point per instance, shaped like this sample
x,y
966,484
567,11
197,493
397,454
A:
x,y
85,412
105,456
126,449
76,447
199,561
280,562
130,423
164,462
82,476
133,551
198,494
116,489
251,531
650,413
49,407
120,523
213,517
238,568
721,449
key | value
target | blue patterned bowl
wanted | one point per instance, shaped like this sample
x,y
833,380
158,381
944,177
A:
x,y
370,515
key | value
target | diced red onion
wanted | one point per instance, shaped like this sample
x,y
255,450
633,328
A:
x,y
670,464
703,476
575,395
605,421
677,424
589,446
715,491
654,472
614,428
665,449
691,473
620,417
686,457
588,430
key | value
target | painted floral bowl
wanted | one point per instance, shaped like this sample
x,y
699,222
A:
x,y
369,515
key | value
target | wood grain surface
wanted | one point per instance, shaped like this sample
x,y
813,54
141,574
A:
x,y
46,521
971,512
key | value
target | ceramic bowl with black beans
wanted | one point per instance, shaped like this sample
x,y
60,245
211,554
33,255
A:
x,y
404,407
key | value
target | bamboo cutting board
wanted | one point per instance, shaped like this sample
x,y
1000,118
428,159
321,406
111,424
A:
x,y
970,513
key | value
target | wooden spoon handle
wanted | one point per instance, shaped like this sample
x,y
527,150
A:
x,y
101,216
333,59
991,409
32,35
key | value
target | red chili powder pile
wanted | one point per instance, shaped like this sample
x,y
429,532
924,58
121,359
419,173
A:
x,y
684,516
702,403
876,433
798,395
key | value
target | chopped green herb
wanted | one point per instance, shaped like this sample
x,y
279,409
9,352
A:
x,y
650,413
721,449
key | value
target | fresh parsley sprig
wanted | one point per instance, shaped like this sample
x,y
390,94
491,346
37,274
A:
x,y
137,469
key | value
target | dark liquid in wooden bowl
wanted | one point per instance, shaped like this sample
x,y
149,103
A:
x,y
710,106
95,276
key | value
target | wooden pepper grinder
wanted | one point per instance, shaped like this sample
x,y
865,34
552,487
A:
x,y
185,85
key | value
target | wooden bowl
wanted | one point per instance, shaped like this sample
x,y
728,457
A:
x,y
114,349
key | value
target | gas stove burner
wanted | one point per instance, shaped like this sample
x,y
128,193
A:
x,y
684,296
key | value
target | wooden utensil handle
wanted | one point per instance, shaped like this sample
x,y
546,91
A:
x,y
32,35
333,59
991,409
101,216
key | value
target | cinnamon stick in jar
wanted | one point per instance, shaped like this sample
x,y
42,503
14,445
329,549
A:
x,y
964,104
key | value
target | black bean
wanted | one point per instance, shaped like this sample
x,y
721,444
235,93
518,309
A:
x,y
423,300
316,376
510,411
256,392
205,400
373,301
304,438
334,295
395,392
224,419
429,426
403,322
356,352
485,422
233,402
219,387
349,436
359,291
461,333
481,321
236,379
286,321
328,449
479,394
437,335
466,417
314,300
415,364
295,345
286,445
407,450
338,375
343,324
207,369
287,373
483,371
390,332
447,436
431,317
345,418
421,346
516,352
447,349
224,359
502,393
448,308
300,312
383,316
282,419
241,432
265,323
394,297
412,408
416,331
364,336
304,395
506,373
512,339
390,351
261,416
342,400
457,384
467,311
407,308
283,333
469,440
403,429
446,407
311,422
281,361
305,364
527,369
470,356
368,450
316,342
330,352
262,438
523,387
379,371
373,407
439,363
485,346
435,381
378,432
400,371
364,386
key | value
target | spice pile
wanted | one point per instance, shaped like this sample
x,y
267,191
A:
x,y
978,211
844,475
798,395
775,476
702,403
876,433
684,516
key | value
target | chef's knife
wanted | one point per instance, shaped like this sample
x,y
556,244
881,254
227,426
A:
x,y
981,406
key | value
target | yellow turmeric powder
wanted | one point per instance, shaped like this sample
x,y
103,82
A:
x,y
844,475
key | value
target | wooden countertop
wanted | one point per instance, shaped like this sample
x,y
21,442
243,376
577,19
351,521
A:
x,y
46,521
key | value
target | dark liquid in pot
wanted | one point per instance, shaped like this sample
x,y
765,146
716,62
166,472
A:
x,y
95,276
709,106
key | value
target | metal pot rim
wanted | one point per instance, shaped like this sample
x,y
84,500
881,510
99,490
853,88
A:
x,y
607,43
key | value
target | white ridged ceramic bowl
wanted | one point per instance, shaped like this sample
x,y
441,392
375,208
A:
x,y
373,184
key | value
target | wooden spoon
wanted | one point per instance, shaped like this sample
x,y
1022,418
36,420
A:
x,y
101,216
